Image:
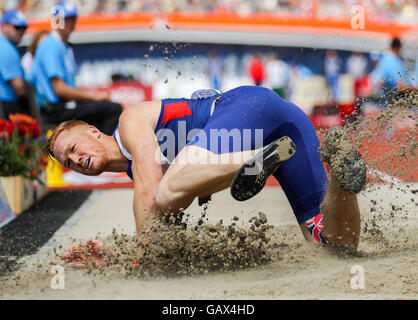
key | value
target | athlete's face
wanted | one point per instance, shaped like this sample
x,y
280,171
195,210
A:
x,y
81,149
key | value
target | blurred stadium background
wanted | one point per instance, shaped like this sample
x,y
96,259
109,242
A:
x,y
150,49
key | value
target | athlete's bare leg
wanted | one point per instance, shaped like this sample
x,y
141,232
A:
x,y
206,173
341,218
340,209
197,172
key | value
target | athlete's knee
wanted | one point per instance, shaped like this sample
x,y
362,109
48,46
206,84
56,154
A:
x,y
162,197
169,199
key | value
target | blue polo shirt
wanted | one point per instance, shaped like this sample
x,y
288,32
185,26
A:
x,y
390,70
53,59
10,69
414,77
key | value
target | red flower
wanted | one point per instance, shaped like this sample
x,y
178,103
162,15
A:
x,y
27,125
10,127
20,150
44,159
20,117
35,130
23,128
34,173
2,124
39,164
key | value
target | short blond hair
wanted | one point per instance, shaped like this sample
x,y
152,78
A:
x,y
67,125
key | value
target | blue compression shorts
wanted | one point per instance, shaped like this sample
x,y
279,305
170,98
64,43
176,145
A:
x,y
250,108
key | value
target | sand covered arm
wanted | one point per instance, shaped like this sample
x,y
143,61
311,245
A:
x,y
138,137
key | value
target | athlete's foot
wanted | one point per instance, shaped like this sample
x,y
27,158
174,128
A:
x,y
347,164
252,176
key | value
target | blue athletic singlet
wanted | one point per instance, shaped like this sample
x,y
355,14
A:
x,y
179,121
247,118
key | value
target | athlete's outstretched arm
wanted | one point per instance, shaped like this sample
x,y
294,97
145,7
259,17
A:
x,y
137,135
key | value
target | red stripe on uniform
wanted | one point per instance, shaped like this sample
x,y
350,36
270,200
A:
x,y
175,110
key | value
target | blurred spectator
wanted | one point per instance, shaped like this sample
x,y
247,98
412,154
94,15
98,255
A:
x,y
374,59
390,75
332,69
256,69
27,58
12,85
404,11
363,86
303,71
277,75
54,79
356,65
414,78
215,69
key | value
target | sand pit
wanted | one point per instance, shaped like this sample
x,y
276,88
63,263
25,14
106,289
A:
x,y
297,270
247,257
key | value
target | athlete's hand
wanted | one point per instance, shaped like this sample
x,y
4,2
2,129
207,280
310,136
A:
x,y
88,255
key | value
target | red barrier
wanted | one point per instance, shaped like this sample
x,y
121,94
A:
x,y
126,93
326,116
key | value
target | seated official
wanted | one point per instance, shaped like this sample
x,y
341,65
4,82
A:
x,y
12,86
53,75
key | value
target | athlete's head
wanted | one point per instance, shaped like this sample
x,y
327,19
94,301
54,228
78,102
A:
x,y
78,146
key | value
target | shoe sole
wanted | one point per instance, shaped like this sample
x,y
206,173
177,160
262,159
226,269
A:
x,y
347,164
350,173
252,176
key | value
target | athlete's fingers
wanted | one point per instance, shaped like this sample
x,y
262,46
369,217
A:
x,y
90,264
72,259
97,245
75,248
67,259
79,266
65,256
71,256
77,255
93,245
